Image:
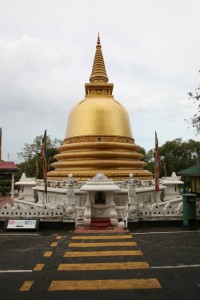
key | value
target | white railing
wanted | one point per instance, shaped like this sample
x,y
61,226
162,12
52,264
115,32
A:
x,y
122,213
165,210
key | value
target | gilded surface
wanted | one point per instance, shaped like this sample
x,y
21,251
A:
x,y
100,145
98,69
86,175
98,116
98,136
97,139
94,153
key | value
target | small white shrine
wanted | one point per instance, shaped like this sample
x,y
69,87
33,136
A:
x,y
26,188
173,184
100,200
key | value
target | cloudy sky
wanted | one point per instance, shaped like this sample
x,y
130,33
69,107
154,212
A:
x,y
151,50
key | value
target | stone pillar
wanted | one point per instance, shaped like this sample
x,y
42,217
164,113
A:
x,y
158,196
69,204
133,208
12,186
113,213
87,213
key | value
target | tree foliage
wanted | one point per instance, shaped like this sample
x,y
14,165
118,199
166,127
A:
x,y
5,187
176,155
142,151
195,120
31,155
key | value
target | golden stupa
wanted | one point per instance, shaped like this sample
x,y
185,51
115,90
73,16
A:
x,y
98,136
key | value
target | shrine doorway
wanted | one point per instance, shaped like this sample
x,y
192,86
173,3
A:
x,y
100,198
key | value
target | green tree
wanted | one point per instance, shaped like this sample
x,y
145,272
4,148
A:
x,y
195,120
5,187
31,155
150,159
142,151
176,155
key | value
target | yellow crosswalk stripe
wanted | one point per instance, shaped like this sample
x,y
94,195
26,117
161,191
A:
x,y
116,284
54,244
103,253
47,254
103,266
102,237
26,286
59,237
113,244
38,267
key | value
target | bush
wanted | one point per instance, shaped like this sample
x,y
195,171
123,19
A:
x,y
5,188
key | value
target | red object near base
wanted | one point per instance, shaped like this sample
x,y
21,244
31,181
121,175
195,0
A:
x,y
100,222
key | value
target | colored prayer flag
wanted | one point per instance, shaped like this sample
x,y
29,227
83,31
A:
x,y
157,164
0,142
44,159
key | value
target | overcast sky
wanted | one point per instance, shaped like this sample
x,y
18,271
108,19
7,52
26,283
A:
x,y
151,51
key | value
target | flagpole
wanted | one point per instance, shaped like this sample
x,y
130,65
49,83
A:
x,y
157,162
44,162
0,143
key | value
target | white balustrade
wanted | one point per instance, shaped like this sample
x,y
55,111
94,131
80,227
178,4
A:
x,y
121,212
32,211
144,210
58,211
19,211
179,209
6,211
46,211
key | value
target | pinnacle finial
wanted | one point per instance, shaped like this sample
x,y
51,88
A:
x,y
98,40
98,70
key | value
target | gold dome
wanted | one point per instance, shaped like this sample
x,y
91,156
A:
x,y
98,115
98,136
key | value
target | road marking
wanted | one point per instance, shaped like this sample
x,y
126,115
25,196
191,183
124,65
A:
x,y
102,237
175,267
47,254
103,266
103,253
58,237
16,271
54,244
165,232
38,267
113,244
7,234
116,284
26,286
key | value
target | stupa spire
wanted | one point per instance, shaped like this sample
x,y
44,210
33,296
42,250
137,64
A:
x,y
98,137
98,70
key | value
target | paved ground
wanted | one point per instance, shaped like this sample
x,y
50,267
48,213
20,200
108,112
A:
x,y
154,263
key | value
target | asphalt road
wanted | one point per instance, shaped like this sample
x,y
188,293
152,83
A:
x,y
163,264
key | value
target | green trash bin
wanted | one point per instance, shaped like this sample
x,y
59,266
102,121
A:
x,y
189,209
